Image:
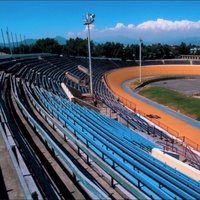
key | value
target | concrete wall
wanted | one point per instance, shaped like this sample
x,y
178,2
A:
x,y
180,166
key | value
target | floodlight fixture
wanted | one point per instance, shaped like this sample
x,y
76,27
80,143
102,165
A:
x,y
89,19
140,40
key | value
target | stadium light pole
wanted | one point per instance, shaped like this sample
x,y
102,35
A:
x,y
140,40
89,19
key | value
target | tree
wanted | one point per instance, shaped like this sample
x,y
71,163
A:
x,y
47,45
76,47
97,50
79,47
183,49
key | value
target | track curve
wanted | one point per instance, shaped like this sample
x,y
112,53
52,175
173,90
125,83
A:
x,y
116,78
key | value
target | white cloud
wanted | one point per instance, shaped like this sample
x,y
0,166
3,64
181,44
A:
x,y
120,26
71,34
167,25
130,26
150,30
91,26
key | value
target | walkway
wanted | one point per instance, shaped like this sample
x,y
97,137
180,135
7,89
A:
x,y
9,181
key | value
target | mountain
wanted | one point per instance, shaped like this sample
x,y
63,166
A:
x,y
118,38
27,42
189,40
148,40
122,39
30,41
175,41
61,40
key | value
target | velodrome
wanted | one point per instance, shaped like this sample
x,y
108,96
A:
x,y
63,146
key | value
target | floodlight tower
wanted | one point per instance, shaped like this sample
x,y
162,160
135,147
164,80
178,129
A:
x,y
140,40
89,19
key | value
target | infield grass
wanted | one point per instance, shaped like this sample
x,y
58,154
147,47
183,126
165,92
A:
x,y
186,105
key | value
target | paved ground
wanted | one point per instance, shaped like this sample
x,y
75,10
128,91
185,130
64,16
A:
x,y
116,78
189,87
9,182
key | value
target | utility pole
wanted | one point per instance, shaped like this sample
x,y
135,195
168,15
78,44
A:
x,y
12,40
3,38
24,40
140,49
16,39
9,41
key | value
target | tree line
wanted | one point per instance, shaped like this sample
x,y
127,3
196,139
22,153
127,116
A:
x,y
79,47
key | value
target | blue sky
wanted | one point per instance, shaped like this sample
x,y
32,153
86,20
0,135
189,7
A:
x,y
151,20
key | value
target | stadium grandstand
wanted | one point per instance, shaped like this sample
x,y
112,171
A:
x,y
62,143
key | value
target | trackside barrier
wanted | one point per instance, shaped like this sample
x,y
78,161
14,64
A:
x,y
173,132
61,156
126,102
109,170
163,126
123,100
190,143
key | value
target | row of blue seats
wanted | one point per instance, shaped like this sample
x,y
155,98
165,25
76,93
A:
x,y
82,135
96,135
101,121
83,178
98,119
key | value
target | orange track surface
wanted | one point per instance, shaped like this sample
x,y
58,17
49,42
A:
x,y
116,78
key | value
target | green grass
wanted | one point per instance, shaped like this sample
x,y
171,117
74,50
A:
x,y
132,85
186,105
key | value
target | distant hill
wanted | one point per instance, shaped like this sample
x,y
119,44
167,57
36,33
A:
x,y
127,40
116,39
61,40
189,40
121,39
27,42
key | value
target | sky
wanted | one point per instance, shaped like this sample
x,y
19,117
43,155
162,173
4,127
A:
x,y
150,20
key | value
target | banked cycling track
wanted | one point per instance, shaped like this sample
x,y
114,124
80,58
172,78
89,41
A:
x,y
183,127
